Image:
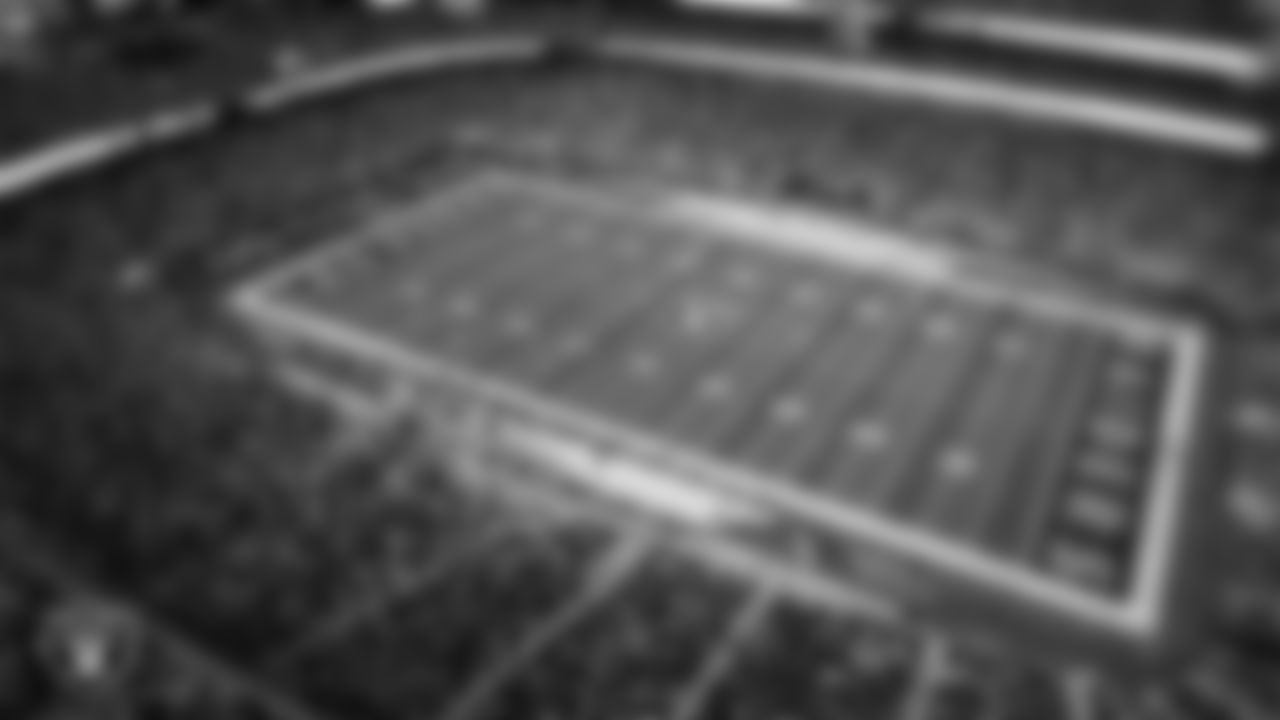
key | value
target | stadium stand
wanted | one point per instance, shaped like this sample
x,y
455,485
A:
x,y
310,566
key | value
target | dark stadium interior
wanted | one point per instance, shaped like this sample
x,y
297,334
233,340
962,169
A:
x,y
184,535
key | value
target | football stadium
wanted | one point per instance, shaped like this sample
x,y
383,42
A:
x,y
640,359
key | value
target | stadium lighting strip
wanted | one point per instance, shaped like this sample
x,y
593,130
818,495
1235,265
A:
x,y
748,495
92,149
64,158
381,66
1181,126
1160,50
1234,62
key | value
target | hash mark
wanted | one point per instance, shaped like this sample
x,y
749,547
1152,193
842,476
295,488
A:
x,y
959,464
644,365
716,389
790,411
462,307
869,436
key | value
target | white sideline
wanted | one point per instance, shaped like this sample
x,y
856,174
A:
x,y
1152,121
1162,529
1234,62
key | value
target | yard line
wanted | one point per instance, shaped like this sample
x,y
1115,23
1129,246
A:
x,y
764,349
729,313
917,397
795,347
603,324
1016,391
858,351
1045,459
347,296
555,289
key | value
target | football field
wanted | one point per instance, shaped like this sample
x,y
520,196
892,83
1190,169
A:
x,y
749,362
